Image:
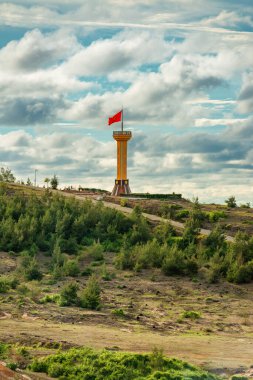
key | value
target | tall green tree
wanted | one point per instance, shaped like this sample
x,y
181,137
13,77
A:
x,y
54,182
6,175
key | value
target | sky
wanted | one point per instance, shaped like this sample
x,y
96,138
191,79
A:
x,y
182,70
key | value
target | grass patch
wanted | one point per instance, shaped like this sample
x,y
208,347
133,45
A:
x,y
193,315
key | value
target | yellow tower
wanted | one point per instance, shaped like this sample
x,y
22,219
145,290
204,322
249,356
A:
x,y
121,183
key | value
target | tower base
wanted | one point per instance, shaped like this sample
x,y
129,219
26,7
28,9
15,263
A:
x,y
121,187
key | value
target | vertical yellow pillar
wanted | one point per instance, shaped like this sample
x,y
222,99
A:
x,y
121,183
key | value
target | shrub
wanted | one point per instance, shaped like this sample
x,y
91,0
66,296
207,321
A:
x,y
182,214
163,233
123,202
241,274
215,242
30,268
71,268
246,205
4,349
191,315
39,366
56,370
231,202
84,363
87,271
242,247
174,262
215,216
23,351
106,275
49,298
68,295
118,312
90,296
13,366
4,285
148,255
96,252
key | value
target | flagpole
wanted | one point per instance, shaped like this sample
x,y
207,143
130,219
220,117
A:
x,y
122,121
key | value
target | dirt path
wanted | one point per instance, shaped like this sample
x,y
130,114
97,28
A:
x,y
226,351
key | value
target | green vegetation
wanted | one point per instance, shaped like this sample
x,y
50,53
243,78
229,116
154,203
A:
x,y
231,202
54,182
85,363
6,175
74,237
90,296
191,315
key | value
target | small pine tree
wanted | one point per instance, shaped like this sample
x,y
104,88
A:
x,y
68,295
31,269
90,297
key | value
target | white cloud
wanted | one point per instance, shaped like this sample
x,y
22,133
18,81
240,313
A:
x,y
245,99
227,19
36,50
214,122
126,49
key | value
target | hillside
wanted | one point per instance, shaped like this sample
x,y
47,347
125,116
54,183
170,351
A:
x,y
74,273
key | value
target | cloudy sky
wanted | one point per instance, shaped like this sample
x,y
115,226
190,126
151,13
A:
x,y
182,69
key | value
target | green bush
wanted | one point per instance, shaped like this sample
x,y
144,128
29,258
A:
x,y
123,202
4,349
12,365
163,233
245,205
118,312
191,315
96,252
56,370
90,296
87,271
49,298
68,295
240,274
231,202
29,267
215,216
88,364
4,285
174,262
182,214
38,365
106,275
71,268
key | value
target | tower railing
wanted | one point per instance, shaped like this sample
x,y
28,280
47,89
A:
x,y
122,133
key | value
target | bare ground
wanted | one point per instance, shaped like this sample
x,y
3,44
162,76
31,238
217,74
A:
x,y
153,305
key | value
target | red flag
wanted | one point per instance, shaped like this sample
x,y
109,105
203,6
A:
x,y
115,118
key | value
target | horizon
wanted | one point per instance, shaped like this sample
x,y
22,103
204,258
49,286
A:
x,y
182,70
